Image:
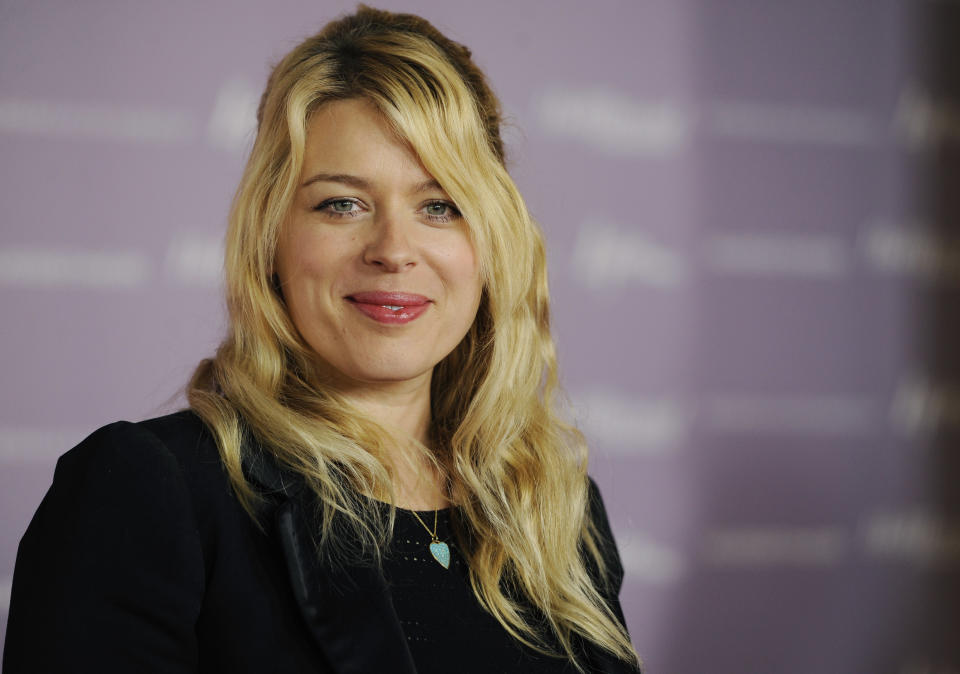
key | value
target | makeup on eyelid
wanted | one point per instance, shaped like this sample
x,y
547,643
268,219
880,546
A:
x,y
328,206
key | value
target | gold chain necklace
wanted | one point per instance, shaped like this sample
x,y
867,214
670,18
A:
x,y
439,549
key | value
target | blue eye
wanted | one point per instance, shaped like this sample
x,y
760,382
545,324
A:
x,y
339,207
342,206
441,211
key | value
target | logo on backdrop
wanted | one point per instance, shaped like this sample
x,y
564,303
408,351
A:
x,y
612,123
606,255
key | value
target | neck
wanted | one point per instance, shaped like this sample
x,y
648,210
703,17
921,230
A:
x,y
404,409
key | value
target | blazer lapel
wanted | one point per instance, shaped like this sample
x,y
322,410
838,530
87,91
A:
x,y
348,609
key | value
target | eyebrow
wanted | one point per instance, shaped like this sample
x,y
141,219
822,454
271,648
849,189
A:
x,y
364,184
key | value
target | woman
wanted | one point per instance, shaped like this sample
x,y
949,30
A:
x,y
370,477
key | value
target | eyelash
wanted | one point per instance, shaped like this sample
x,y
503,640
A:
x,y
453,213
325,207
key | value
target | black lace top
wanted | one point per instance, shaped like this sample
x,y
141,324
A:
x,y
446,629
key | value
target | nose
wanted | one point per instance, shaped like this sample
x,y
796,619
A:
x,y
388,245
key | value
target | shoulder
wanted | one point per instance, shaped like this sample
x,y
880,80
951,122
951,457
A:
x,y
160,471
133,462
148,449
596,508
114,549
182,434
604,535
147,489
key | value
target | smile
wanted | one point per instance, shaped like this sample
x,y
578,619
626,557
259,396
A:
x,y
389,308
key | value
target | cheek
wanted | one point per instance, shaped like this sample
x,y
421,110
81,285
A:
x,y
465,270
309,258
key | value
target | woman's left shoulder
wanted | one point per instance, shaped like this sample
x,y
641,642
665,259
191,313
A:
x,y
597,512
597,508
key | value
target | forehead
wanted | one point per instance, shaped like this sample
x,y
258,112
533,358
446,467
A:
x,y
352,136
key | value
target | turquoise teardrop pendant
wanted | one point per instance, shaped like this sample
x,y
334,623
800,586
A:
x,y
439,549
441,553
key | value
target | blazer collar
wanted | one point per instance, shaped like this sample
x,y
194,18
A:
x,y
347,608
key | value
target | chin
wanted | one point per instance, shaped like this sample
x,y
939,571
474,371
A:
x,y
385,373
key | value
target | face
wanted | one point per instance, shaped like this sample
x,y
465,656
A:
x,y
374,261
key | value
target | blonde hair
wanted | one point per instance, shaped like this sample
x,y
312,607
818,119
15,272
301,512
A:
x,y
514,469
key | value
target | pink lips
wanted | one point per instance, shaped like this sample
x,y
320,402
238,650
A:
x,y
388,307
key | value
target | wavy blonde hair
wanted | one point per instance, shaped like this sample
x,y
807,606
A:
x,y
514,469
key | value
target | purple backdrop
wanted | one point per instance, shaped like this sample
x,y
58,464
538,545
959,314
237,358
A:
x,y
747,208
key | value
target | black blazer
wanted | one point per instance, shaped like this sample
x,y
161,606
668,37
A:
x,y
141,559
